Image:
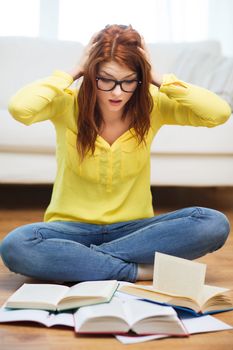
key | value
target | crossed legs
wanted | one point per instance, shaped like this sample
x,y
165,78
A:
x,y
74,251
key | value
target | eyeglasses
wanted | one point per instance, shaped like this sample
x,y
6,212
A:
x,y
106,84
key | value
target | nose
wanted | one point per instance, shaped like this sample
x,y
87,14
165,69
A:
x,y
117,90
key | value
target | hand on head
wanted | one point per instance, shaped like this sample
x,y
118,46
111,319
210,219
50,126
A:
x,y
156,78
129,35
78,70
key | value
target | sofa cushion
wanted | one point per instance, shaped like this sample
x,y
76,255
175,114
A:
x,y
14,136
25,59
175,139
24,168
211,71
166,56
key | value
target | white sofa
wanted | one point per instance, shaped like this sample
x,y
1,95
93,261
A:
x,y
181,156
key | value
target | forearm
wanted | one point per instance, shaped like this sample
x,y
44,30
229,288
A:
x,y
186,104
35,102
156,79
76,73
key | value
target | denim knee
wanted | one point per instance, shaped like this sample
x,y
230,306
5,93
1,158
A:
x,y
10,249
219,226
7,249
222,227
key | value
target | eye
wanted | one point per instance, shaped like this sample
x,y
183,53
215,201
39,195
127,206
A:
x,y
106,80
128,82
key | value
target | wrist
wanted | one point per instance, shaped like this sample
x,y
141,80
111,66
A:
x,y
157,79
76,73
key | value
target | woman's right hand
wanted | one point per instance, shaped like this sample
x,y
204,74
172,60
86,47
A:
x,y
78,70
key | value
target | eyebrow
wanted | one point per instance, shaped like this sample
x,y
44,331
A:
x,y
127,76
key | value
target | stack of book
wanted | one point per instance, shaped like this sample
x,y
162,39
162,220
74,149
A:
x,y
172,306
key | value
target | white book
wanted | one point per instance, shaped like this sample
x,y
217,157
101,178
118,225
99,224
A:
x,y
121,316
46,318
193,324
58,297
180,283
116,317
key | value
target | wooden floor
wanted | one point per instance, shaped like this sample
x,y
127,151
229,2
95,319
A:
x,y
31,336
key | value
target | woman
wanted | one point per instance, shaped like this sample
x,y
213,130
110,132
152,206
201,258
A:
x,y
100,222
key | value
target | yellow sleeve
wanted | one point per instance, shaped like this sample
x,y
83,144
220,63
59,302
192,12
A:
x,y
42,100
180,103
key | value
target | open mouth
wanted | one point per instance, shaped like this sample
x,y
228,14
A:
x,y
115,102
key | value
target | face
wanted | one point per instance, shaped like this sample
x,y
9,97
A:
x,y
114,101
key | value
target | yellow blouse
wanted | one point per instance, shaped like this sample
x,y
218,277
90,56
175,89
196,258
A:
x,y
114,184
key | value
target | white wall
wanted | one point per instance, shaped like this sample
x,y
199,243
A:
x,y
221,24
49,15
168,20
177,20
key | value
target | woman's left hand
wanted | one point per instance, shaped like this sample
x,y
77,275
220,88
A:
x,y
156,78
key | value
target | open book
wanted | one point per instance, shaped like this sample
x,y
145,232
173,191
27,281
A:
x,y
51,318
122,316
180,283
194,325
59,297
46,318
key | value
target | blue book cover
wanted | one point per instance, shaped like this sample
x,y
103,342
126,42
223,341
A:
x,y
188,310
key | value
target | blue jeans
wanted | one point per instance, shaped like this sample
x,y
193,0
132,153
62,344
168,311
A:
x,y
75,251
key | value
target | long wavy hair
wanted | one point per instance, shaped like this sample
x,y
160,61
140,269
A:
x,y
117,43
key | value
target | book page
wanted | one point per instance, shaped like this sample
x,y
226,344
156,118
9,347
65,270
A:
x,y
61,319
92,289
178,276
100,317
137,310
192,324
134,339
144,291
209,292
44,317
7,315
37,294
204,324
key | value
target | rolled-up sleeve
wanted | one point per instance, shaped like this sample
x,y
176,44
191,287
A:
x,y
181,103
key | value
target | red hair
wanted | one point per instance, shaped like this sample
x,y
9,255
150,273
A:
x,y
120,44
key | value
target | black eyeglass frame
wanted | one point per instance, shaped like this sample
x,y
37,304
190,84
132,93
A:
x,y
118,82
